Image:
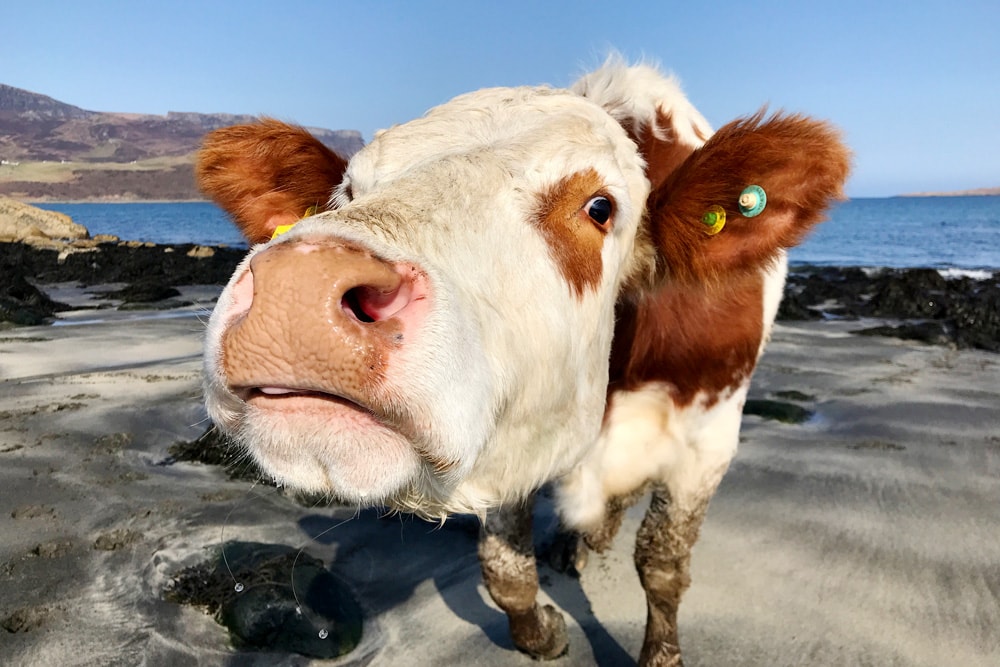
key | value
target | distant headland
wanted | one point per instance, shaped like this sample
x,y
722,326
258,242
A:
x,y
53,151
978,192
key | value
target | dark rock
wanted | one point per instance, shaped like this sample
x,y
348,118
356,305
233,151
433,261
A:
x,y
794,395
287,600
150,269
795,307
787,413
976,320
934,333
817,288
157,305
963,312
143,291
914,293
213,448
124,263
23,304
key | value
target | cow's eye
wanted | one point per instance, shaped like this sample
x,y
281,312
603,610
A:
x,y
599,209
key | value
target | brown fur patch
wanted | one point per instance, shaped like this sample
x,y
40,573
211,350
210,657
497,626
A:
x,y
694,338
267,173
800,163
574,240
663,153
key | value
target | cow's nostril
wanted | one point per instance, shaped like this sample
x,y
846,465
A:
x,y
369,304
353,305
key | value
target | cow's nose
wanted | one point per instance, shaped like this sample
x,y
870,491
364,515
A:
x,y
315,317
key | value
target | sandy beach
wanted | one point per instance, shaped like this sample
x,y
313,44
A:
x,y
867,535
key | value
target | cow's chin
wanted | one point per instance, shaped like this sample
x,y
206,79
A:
x,y
331,447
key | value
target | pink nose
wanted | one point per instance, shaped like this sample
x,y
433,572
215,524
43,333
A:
x,y
316,317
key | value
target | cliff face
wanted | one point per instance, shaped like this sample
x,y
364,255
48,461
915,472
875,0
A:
x,y
32,106
109,155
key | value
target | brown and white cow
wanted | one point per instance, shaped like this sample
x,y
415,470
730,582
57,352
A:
x,y
526,285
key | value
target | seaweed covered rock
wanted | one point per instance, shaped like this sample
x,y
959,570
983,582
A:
x,y
272,597
143,291
914,293
146,294
23,304
962,311
123,262
213,448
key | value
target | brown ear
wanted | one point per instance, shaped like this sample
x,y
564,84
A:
x,y
267,174
800,164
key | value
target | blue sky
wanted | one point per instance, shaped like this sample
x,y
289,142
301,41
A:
x,y
914,85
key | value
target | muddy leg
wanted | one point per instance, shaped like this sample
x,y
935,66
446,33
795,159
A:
x,y
614,512
662,557
568,552
507,557
570,549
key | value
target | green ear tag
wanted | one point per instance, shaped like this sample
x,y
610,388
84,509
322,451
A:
x,y
714,220
752,201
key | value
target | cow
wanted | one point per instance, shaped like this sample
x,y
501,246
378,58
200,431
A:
x,y
525,286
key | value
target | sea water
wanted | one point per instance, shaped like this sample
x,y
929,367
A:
x,y
937,232
181,222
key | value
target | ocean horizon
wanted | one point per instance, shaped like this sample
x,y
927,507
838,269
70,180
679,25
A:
x,y
898,232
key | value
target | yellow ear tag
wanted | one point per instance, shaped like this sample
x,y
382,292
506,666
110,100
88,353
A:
x,y
281,229
714,220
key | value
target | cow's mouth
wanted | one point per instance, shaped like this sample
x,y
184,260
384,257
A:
x,y
279,393
293,399
291,402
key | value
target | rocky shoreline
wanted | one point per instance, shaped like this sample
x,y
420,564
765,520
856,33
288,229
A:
x,y
149,271
914,304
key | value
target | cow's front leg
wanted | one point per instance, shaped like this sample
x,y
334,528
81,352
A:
x,y
507,556
663,558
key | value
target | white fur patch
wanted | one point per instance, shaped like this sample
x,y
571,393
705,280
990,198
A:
x,y
647,438
636,94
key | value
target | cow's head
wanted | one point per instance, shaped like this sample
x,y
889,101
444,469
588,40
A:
x,y
436,338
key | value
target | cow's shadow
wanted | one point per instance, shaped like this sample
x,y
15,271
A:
x,y
386,557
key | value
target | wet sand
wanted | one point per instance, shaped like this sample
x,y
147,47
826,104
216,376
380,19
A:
x,y
868,535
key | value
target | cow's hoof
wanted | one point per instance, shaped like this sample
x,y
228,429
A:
x,y
568,553
542,634
665,654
